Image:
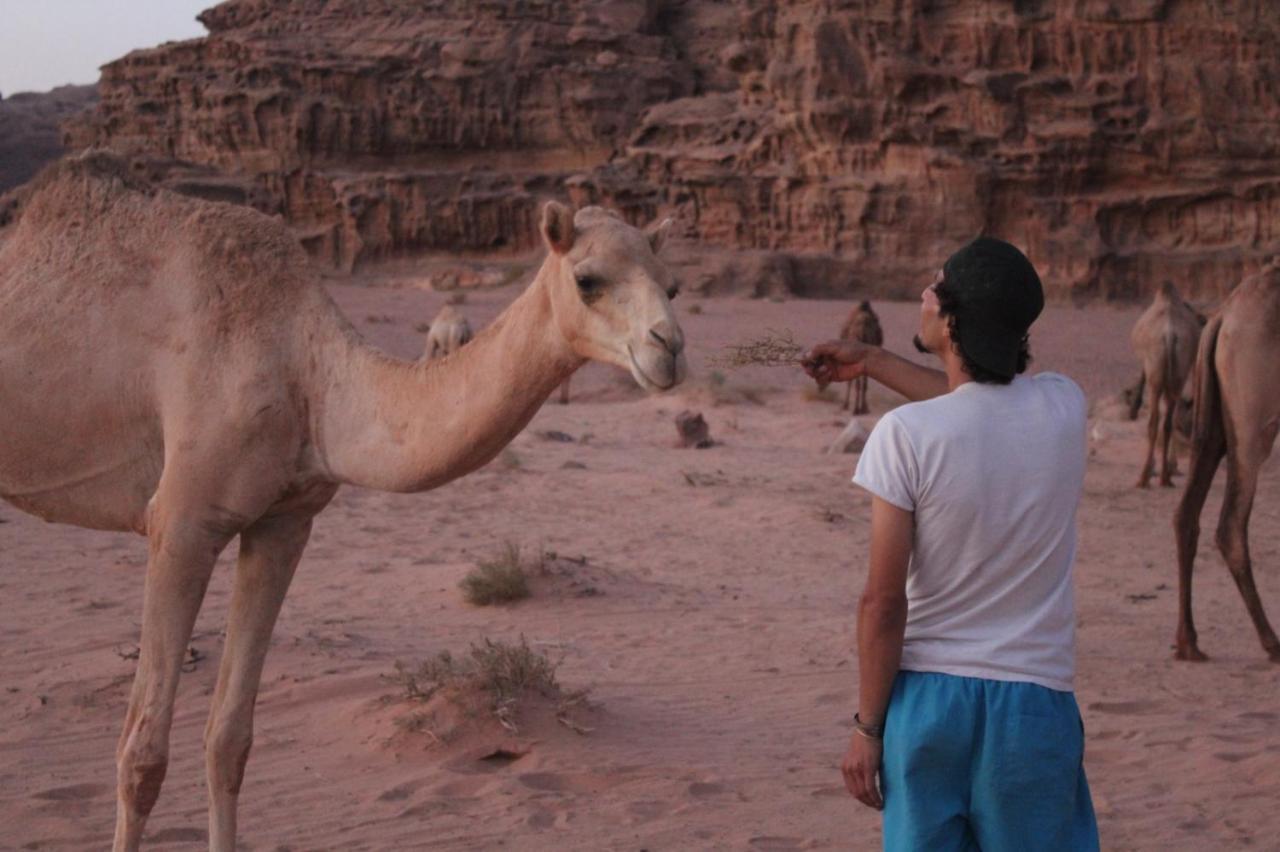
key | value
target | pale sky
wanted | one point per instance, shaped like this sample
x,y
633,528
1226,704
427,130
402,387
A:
x,y
46,43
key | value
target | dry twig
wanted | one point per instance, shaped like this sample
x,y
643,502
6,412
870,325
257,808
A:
x,y
773,349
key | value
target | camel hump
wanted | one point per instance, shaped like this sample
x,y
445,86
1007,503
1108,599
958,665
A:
x,y
76,184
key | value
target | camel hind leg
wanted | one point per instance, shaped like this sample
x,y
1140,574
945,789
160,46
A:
x,y
269,553
1243,463
1166,435
1206,454
1153,428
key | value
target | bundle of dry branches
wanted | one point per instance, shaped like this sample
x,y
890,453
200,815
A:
x,y
773,349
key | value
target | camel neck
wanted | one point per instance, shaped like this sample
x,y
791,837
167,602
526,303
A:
x,y
408,426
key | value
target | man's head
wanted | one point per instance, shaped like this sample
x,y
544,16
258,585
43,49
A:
x,y
982,304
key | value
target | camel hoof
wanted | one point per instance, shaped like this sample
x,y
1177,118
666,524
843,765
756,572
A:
x,y
1191,655
1166,483
1142,483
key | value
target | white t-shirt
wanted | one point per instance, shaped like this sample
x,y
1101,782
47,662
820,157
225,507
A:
x,y
993,474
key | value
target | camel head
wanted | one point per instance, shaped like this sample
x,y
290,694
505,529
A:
x,y
610,294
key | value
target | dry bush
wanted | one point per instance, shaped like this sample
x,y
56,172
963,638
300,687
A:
x,y
500,673
499,580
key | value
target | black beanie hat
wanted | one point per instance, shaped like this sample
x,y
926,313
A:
x,y
995,294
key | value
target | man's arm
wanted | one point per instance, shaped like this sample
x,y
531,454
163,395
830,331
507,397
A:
x,y
882,621
845,360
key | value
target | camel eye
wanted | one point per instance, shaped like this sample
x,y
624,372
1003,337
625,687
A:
x,y
674,291
590,287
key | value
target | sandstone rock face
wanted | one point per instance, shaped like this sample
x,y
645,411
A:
x,y
29,134
804,146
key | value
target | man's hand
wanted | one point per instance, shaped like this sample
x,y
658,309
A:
x,y
837,361
861,767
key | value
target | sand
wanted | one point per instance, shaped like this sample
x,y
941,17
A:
x,y
718,646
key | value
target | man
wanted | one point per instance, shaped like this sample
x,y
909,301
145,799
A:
x,y
966,627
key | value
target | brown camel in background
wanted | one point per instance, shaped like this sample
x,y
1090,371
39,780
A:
x,y
864,326
1165,339
449,332
1237,415
168,366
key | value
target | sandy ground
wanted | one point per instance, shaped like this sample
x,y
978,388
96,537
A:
x,y
719,651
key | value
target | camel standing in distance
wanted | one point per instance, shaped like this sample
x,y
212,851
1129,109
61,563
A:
x,y
862,325
1237,415
1165,339
449,332
168,367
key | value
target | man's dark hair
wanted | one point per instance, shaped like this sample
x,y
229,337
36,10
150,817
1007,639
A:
x,y
981,375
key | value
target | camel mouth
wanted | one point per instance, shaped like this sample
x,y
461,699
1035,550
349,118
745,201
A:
x,y
646,379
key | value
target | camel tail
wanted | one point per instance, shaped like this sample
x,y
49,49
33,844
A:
x,y
1207,419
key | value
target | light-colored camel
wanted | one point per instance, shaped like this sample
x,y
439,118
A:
x,y
449,332
1165,339
1237,415
167,366
862,325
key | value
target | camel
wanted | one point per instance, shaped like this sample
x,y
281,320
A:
x,y
1165,339
1237,414
169,367
862,325
449,332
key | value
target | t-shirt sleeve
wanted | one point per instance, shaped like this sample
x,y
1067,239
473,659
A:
x,y
888,467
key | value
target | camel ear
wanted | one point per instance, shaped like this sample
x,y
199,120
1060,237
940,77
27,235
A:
x,y
657,234
557,227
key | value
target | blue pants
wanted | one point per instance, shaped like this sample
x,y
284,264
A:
x,y
975,764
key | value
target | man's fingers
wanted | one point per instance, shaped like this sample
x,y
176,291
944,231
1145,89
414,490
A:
x,y
850,779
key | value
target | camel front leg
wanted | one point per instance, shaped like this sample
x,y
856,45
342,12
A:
x,y
1233,540
269,554
848,392
862,395
182,555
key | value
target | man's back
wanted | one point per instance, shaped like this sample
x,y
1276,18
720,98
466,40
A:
x,y
993,474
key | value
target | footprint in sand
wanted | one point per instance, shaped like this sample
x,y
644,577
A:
x,y
1125,708
396,794
179,835
73,793
1232,757
702,789
548,781
776,844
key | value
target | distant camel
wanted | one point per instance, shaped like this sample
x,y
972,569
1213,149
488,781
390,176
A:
x,y
1165,339
864,326
169,367
449,332
1237,414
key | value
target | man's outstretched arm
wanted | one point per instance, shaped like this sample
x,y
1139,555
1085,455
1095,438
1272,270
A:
x,y
845,360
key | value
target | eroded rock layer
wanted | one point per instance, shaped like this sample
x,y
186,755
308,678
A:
x,y
805,146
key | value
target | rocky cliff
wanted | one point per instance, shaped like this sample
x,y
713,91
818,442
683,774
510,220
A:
x,y
818,147
29,134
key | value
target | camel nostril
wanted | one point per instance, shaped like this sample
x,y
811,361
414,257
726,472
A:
x,y
662,341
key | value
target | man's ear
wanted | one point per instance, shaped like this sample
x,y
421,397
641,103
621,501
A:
x,y
657,234
557,227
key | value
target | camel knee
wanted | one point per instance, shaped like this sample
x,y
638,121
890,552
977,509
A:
x,y
1234,548
141,774
227,752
